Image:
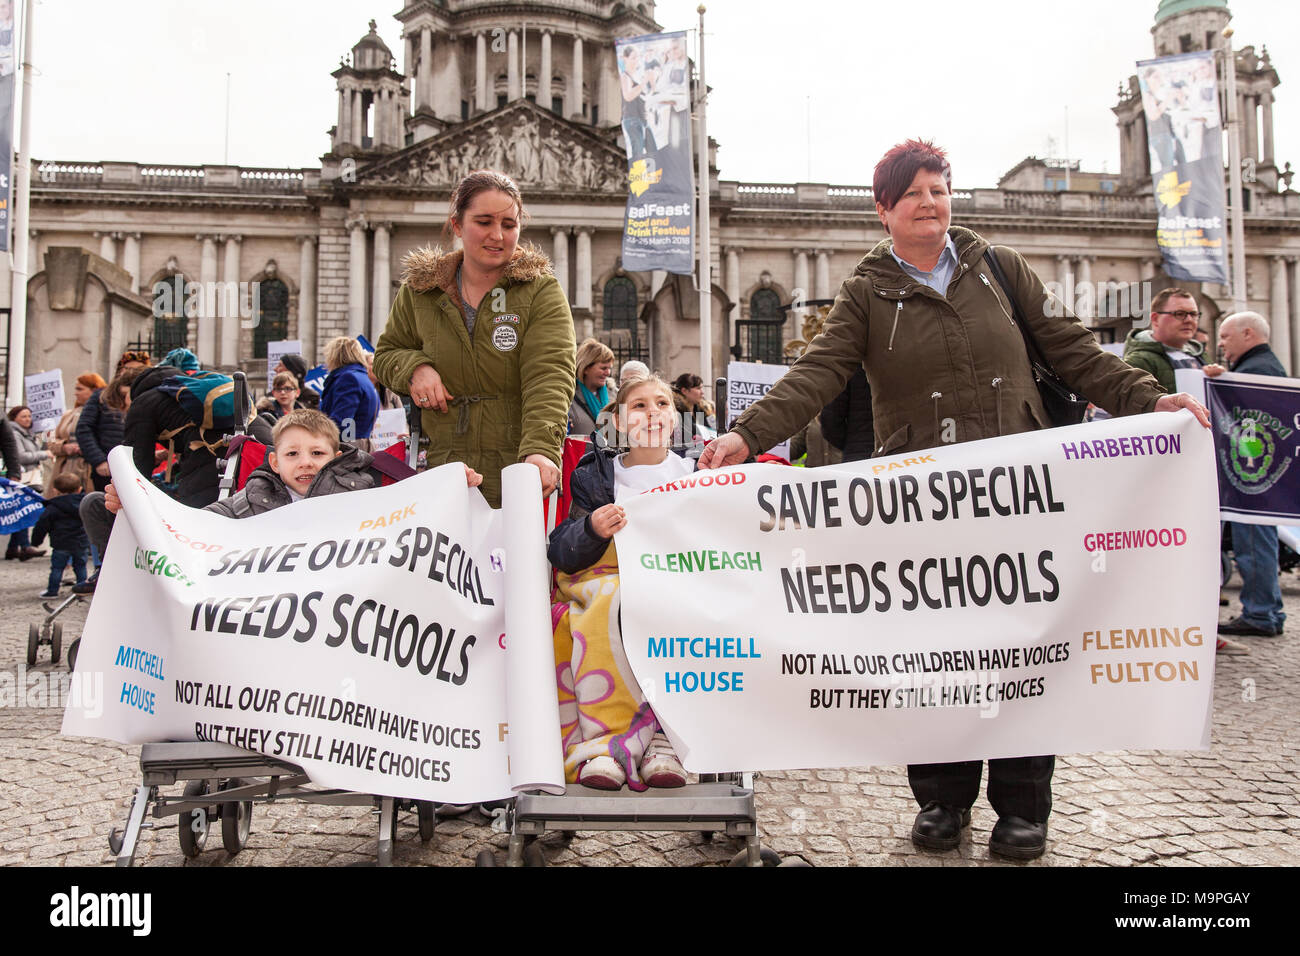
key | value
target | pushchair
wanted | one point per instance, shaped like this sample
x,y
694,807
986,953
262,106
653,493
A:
x,y
717,803
221,781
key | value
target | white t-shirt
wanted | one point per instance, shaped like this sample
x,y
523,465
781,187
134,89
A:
x,y
638,478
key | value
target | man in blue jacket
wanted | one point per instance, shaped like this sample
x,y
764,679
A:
x,y
1243,344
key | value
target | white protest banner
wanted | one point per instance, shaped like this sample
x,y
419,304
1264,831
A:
x,y
1050,592
747,382
360,636
45,399
390,428
276,351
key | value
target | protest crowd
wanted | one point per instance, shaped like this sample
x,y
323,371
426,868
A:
x,y
930,341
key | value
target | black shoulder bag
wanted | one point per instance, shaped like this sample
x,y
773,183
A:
x,y
1062,405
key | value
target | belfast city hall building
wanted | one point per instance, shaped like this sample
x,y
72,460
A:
x,y
113,243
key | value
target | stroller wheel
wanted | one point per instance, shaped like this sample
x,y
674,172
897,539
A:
x,y
73,649
533,855
236,820
192,828
33,642
56,642
428,819
485,858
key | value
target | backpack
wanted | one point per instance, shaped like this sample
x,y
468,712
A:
x,y
208,400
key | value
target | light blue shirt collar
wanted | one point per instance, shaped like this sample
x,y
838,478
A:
x,y
940,276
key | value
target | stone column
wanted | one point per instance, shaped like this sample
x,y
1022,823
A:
x,y
344,134
732,254
230,300
382,292
107,246
33,253
1266,121
1089,307
1279,309
131,259
307,297
1252,127
424,80
356,227
822,275
801,290
582,274
382,136
207,305
1065,279
358,118
513,79
480,72
560,257
575,82
544,73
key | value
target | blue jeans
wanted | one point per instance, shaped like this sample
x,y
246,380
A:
x,y
1255,548
58,561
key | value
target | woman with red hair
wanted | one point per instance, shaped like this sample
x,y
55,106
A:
x,y
63,446
927,317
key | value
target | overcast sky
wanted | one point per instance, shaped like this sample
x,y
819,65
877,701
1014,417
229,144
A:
x,y
813,90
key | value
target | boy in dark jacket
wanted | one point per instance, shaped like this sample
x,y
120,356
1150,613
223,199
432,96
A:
x,y
307,462
62,522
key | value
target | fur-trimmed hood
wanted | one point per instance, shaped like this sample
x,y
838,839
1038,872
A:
x,y
430,268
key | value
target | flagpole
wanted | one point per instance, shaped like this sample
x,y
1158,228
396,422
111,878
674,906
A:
x,y
1234,177
22,239
706,270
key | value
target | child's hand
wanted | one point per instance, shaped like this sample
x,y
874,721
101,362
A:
x,y
112,503
607,519
472,478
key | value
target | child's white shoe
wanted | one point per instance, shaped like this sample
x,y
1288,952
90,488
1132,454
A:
x,y
660,766
602,773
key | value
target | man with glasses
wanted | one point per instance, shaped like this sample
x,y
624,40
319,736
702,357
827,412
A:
x,y
1170,342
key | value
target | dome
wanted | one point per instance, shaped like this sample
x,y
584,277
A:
x,y
1171,8
372,39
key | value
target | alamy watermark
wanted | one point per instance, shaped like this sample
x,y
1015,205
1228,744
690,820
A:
x,y
1100,300
215,299
79,690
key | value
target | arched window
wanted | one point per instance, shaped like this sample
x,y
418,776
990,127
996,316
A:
x,y
762,332
765,304
620,303
169,325
272,315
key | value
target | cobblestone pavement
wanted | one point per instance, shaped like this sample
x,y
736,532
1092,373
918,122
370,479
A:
x,y
1237,804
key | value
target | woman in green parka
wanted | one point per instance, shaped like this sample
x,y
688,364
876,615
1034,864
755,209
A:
x,y
482,341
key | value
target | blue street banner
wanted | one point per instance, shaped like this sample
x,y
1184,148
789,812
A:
x,y
20,506
1185,141
654,78
1256,444
7,60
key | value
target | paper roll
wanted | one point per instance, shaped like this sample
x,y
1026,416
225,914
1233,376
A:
x,y
532,707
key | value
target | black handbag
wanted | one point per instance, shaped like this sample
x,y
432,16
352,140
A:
x,y
1062,405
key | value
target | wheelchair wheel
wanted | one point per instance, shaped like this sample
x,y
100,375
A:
x,y
33,642
192,828
236,820
56,642
73,650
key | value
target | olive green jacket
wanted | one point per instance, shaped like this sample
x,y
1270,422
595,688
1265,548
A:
x,y
511,385
943,368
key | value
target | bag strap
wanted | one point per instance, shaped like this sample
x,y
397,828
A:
x,y
1031,347
393,468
